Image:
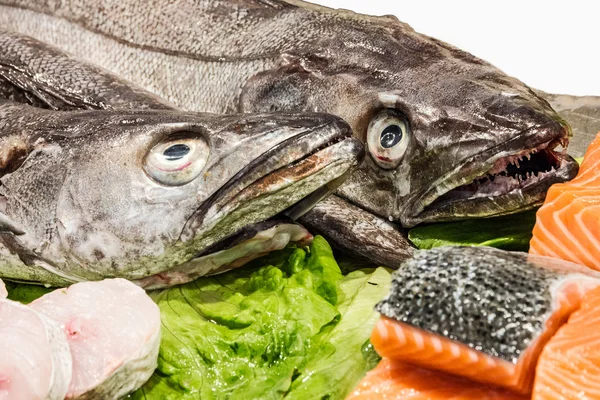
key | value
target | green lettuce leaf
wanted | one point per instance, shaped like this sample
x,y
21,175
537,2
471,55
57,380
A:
x,y
286,326
511,232
25,293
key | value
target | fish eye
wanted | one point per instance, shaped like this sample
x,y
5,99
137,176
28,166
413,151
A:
x,y
388,136
175,162
176,151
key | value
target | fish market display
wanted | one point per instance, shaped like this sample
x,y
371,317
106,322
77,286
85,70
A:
x,y
152,194
448,135
479,312
35,363
113,331
568,224
393,380
569,365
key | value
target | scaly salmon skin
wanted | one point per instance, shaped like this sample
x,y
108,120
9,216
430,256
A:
x,y
479,312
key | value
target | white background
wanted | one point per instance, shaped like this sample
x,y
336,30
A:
x,y
549,45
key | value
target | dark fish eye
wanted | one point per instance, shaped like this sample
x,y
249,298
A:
x,y
176,152
390,136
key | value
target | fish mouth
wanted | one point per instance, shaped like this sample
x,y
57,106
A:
x,y
285,182
508,181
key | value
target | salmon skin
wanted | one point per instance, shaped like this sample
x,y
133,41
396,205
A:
x,y
394,380
479,312
569,366
568,224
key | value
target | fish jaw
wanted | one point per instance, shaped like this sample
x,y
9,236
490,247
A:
x,y
253,242
511,177
290,187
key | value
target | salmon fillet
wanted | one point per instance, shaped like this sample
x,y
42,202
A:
x,y
569,367
394,380
568,223
477,312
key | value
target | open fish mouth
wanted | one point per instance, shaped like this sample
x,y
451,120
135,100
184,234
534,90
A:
x,y
254,212
508,182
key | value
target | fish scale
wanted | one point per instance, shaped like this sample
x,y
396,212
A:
x,y
479,312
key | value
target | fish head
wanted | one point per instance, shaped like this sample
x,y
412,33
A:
x,y
136,193
448,136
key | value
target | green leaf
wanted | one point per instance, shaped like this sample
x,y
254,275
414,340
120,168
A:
x,y
26,293
288,325
511,232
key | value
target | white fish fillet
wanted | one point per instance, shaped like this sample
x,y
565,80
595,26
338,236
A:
x,y
35,361
113,330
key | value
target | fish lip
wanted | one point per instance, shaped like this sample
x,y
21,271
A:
x,y
313,142
531,195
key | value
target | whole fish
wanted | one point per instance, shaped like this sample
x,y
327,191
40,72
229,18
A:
x,y
159,197
448,135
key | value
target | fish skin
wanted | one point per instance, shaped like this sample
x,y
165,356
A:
x,y
479,312
98,214
252,55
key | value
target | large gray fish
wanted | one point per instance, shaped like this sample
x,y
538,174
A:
x,y
449,136
157,196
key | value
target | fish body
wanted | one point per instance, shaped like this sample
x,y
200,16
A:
x,y
94,194
482,313
448,135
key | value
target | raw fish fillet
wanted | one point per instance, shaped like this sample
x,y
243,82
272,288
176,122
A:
x,y
394,380
569,367
479,312
568,224
113,330
35,362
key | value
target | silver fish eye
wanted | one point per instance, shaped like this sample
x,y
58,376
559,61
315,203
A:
x,y
388,137
175,162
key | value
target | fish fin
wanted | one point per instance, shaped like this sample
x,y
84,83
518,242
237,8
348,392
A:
x,y
355,231
33,93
